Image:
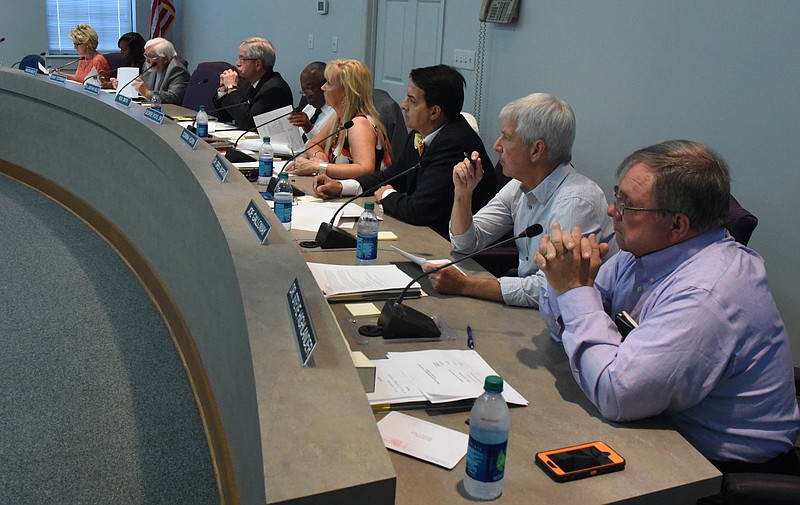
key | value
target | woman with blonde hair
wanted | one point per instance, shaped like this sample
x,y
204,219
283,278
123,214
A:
x,y
84,38
364,147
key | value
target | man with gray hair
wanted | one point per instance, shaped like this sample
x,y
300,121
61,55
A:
x,y
535,147
254,85
166,74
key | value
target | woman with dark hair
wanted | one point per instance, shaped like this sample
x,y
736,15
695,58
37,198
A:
x,y
131,47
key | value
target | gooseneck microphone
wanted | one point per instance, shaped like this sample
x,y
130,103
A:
x,y
237,156
58,68
399,321
333,237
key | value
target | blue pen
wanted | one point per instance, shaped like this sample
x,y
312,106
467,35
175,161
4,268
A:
x,y
470,341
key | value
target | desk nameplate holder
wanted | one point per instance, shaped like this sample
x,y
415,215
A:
x,y
31,70
219,167
189,138
58,78
91,88
123,100
301,322
258,223
153,115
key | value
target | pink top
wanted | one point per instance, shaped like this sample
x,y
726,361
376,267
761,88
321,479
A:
x,y
85,66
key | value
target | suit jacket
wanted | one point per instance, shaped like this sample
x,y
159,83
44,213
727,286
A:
x,y
271,93
173,85
424,196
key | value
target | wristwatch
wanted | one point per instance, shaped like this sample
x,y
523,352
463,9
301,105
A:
x,y
323,167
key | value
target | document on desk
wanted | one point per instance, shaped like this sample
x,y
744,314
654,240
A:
x,y
419,260
348,283
422,439
284,137
440,375
308,215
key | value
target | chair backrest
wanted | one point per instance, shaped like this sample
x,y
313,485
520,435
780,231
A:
x,y
32,60
202,94
392,118
741,222
472,121
114,61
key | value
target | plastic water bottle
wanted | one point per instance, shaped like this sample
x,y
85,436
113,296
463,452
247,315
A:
x,y
155,101
283,199
265,158
202,122
367,242
489,423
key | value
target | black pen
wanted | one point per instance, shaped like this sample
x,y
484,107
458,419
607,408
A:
x,y
471,162
470,341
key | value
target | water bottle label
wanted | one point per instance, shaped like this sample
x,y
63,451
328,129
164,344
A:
x,y
265,168
486,462
366,247
202,130
284,211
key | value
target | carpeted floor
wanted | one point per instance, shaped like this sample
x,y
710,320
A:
x,y
95,406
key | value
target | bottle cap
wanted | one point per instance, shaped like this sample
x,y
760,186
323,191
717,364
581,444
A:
x,y
266,139
369,205
493,384
283,175
202,107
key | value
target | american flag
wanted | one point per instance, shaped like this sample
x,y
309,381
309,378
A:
x,y
161,17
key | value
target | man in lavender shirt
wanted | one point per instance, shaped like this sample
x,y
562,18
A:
x,y
710,349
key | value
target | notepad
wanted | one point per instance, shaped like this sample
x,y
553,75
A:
x,y
362,309
386,235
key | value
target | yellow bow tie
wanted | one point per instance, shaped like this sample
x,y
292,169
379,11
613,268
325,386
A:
x,y
419,143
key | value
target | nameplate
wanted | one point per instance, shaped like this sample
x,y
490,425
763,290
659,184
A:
x,y
154,115
91,88
31,70
301,321
189,138
122,99
220,168
258,223
59,78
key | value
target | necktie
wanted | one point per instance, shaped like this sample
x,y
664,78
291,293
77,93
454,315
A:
x,y
315,116
419,143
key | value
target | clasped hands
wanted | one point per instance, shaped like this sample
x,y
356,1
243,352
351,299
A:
x,y
568,259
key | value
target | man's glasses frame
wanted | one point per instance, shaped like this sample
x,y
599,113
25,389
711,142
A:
x,y
621,207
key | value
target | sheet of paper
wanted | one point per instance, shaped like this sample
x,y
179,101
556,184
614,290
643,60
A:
x,y
392,385
124,76
284,137
342,279
42,69
308,215
450,375
422,439
419,260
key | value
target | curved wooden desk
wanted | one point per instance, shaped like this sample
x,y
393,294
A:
x,y
278,432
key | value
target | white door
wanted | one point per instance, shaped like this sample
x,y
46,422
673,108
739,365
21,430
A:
x,y
408,34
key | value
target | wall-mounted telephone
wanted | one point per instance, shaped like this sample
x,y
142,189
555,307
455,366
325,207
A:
x,y
499,11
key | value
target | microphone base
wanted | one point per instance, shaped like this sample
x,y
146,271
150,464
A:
x,y
332,237
399,321
235,156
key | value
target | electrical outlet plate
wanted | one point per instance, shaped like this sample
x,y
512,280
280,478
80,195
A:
x,y
311,41
334,43
464,58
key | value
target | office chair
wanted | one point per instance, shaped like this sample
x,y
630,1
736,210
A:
x,y
114,61
31,60
741,222
202,94
472,121
392,118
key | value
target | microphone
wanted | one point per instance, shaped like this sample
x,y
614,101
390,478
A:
x,y
399,321
140,74
333,237
237,156
43,53
58,69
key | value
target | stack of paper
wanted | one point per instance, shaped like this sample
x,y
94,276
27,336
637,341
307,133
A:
x,y
436,376
346,283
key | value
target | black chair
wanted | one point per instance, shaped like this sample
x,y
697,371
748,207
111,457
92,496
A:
x,y
202,94
115,61
31,60
392,118
741,222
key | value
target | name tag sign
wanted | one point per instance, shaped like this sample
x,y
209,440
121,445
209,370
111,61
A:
x,y
189,138
123,100
219,167
301,320
31,70
92,88
59,78
154,115
258,223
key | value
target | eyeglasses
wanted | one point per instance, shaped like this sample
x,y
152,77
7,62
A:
x,y
245,59
150,57
621,207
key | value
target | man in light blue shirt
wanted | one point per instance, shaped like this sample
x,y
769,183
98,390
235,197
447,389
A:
x,y
710,349
535,148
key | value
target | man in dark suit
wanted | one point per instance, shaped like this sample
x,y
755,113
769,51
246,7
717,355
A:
x,y
167,74
255,85
439,138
